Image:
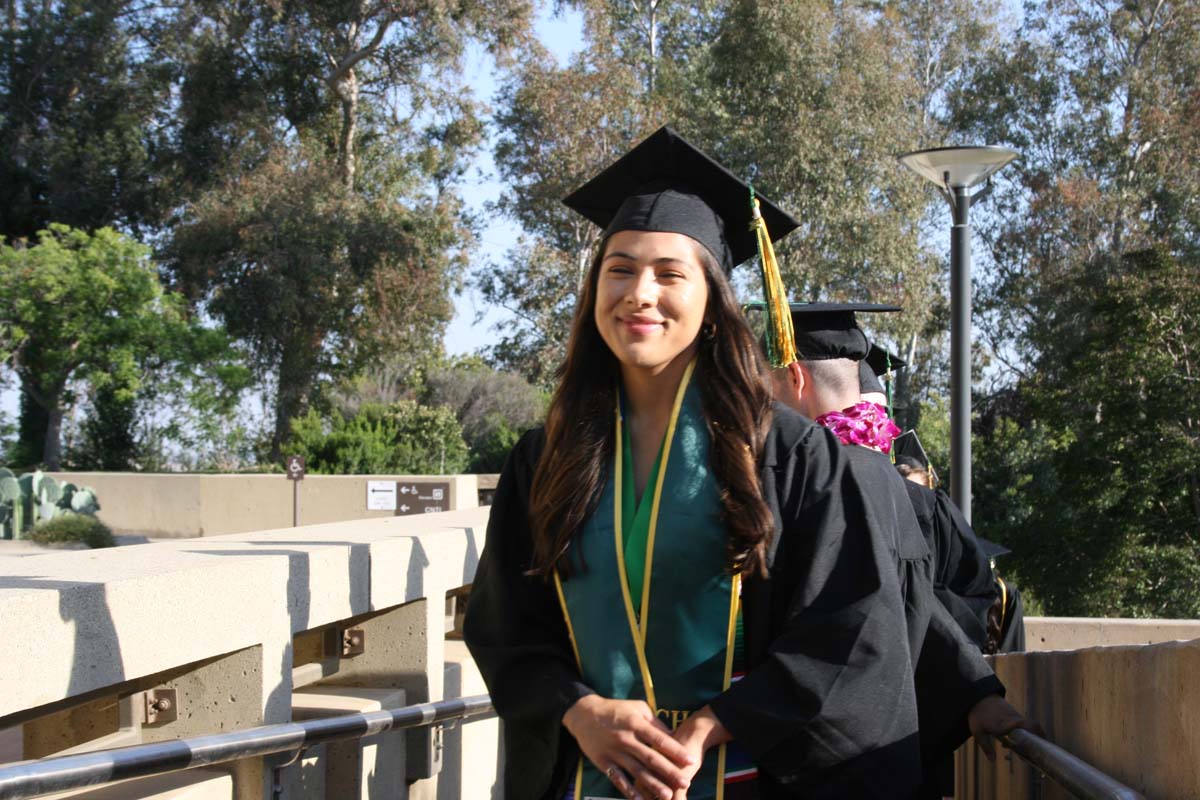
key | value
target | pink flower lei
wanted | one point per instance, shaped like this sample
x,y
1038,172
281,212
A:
x,y
863,423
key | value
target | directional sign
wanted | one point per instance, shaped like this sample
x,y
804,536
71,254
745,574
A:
x,y
381,496
295,468
422,497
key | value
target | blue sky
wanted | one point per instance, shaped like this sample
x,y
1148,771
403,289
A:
x,y
562,35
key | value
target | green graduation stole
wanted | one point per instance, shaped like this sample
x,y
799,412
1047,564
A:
x,y
671,643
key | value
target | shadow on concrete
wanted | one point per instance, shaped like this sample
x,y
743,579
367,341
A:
x,y
415,575
472,558
278,705
96,655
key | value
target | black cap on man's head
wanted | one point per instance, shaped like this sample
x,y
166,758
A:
x,y
908,446
882,362
992,550
666,184
878,362
830,330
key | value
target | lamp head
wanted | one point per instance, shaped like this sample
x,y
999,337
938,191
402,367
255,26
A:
x,y
958,167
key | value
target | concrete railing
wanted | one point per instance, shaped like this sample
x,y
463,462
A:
x,y
187,505
1076,633
1132,712
186,638
190,637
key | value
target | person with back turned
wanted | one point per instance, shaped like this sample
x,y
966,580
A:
x,y
957,692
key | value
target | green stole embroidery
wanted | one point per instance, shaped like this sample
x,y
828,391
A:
x,y
672,645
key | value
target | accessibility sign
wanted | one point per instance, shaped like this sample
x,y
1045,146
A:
x,y
422,497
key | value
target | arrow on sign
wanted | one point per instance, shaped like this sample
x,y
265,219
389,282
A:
x,y
403,490
404,508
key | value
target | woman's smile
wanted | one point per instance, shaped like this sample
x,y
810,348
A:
x,y
641,325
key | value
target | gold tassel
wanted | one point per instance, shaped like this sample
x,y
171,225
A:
x,y
781,339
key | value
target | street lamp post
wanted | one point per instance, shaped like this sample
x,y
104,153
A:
x,y
955,171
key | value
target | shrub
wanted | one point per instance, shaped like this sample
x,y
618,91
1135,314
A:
x,y
72,527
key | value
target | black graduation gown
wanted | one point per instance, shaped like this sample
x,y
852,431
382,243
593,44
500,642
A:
x,y
827,707
962,576
951,673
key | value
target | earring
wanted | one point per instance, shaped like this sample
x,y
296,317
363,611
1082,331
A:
x,y
708,331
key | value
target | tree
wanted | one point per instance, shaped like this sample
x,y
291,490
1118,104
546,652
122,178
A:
x,y
493,407
1093,476
403,438
316,279
1100,100
1082,435
556,128
818,99
334,232
80,108
75,308
82,128
655,38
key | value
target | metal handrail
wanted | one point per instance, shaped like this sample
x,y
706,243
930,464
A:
x,y
104,766
1074,774
60,773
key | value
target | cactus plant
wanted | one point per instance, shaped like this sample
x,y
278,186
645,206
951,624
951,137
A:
x,y
36,498
11,501
83,501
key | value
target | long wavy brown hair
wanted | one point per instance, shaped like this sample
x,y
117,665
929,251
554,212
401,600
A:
x,y
580,431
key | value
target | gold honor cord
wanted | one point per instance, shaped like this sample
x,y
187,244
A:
x,y
735,602
658,485
562,601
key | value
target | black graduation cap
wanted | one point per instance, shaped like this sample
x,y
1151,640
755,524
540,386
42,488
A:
x,y
907,449
881,361
991,549
830,330
908,445
666,184
873,366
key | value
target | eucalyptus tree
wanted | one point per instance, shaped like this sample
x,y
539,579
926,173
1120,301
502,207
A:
x,y
325,227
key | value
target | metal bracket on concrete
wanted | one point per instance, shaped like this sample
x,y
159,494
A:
x,y
160,706
354,642
345,642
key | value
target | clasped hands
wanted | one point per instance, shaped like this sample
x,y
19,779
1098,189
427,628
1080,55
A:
x,y
646,761
636,751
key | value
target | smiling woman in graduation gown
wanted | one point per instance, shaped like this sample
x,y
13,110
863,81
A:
x,y
801,660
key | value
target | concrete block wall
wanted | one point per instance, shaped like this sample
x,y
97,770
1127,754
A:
x,y
221,619
186,505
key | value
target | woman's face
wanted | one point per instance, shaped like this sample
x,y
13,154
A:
x,y
650,297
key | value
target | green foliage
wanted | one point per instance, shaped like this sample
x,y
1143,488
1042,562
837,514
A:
x,y
80,307
80,119
493,407
1091,471
72,527
932,423
402,438
109,441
